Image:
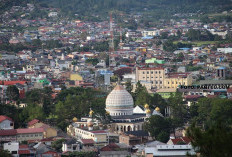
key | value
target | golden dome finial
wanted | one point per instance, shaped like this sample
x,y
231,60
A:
x,y
91,112
157,109
148,111
146,106
107,112
75,119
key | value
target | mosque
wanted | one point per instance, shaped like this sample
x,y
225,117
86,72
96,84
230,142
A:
x,y
124,117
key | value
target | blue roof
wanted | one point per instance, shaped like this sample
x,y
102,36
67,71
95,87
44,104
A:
x,y
221,68
147,37
122,66
184,48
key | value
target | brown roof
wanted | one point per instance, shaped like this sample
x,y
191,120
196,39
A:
x,y
110,147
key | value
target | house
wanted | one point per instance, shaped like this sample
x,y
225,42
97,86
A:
x,y
71,145
181,140
43,150
6,123
48,130
169,151
133,137
115,150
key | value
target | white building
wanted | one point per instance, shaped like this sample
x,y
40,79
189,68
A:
x,y
224,50
6,123
12,147
52,14
169,151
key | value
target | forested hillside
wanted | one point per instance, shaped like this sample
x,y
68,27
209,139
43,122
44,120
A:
x,y
160,8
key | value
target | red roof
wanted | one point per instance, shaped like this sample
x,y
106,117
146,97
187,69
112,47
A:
x,y
110,147
24,152
34,121
14,82
192,96
23,146
229,90
8,132
87,141
182,139
99,132
2,118
32,130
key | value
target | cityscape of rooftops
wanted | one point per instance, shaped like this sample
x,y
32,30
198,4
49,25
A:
x,y
115,78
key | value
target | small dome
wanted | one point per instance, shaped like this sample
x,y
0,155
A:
x,y
91,113
157,109
75,119
148,111
146,106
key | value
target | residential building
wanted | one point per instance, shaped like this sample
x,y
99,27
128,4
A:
x,y
6,123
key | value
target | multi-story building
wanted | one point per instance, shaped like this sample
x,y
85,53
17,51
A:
x,y
153,75
173,80
21,134
160,79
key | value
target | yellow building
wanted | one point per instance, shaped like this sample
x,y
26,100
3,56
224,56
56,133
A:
x,y
159,80
48,131
76,77
173,80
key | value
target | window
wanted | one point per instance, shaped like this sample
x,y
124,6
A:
x,y
156,82
151,72
11,124
156,72
147,72
159,72
168,82
143,72
160,82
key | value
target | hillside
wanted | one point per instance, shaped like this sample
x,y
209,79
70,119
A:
x,y
155,8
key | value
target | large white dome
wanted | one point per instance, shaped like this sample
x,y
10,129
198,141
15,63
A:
x,y
119,102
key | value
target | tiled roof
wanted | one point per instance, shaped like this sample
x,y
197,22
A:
x,y
24,152
23,146
14,82
2,118
98,132
34,121
8,132
87,141
110,147
33,130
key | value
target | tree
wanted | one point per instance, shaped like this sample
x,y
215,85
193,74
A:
x,y
129,86
178,110
5,153
215,141
57,145
158,127
12,92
